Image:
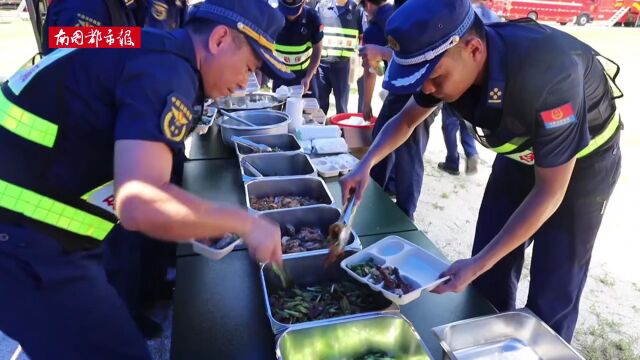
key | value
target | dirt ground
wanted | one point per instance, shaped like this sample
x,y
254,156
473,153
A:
x,y
609,323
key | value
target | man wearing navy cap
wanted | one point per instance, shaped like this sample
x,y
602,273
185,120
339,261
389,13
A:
x,y
299,44
542,100
89,135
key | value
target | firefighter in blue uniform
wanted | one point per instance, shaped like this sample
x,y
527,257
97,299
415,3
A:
x,y
57,197
543,101
135,264
401,173
343,27
299,44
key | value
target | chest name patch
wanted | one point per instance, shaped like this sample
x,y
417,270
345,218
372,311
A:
x,y
558,117
176,118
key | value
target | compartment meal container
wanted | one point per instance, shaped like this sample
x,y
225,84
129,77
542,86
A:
x,y
310,270
292,186
348,339
252,101
267,122
510,335
418,267
277,165
287,143
320,216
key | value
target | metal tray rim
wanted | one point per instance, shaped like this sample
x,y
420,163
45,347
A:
x,y
278,327
299,150
440,330
365,316
313,178
248,178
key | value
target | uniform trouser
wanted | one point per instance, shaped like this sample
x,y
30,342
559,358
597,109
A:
x,y
450,126
561,247
58,305
313,85
333,76
402,171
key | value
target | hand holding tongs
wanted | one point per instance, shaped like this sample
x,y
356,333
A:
x,y
340,231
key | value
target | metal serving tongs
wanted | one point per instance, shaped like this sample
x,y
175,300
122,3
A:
x,y
340,231
254,146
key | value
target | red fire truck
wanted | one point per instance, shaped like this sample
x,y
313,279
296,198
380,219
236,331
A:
x,y
580,12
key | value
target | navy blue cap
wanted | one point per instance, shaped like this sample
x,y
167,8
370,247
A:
x,y
420,32
290,7
258,21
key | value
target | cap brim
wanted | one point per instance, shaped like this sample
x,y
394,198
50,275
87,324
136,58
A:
x,y
271,65
290,10
407,79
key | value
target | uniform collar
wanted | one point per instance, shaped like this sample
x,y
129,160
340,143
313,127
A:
x,y
496,76
185,46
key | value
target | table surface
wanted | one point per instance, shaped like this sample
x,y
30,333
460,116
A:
x,y
220,181
219,310
210,146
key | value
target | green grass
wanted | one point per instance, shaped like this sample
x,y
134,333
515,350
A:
x,y
605,340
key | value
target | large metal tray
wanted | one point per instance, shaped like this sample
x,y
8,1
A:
x,y
310,270
510,335
321,216
287,143
277,165
292,186
347,339
253,101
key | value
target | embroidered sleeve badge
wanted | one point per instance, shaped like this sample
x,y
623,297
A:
x,y
176,118
558,117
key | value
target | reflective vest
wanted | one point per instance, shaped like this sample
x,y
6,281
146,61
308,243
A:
x,y
514,148
341,29
40,207
27,140
296,57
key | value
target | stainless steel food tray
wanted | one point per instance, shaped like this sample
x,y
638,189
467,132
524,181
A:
x,y
276,165
293,186
511,335
321,216
347,339
309,271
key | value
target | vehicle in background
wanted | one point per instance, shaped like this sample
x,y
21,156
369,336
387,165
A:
x,y
580,12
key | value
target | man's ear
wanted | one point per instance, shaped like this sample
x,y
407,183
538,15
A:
x,y
218,37
475,46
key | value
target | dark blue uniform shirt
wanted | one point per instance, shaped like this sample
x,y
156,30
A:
x,y
542,85
374,33
305,28
99,96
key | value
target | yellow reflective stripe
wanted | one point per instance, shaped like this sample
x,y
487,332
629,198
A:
x,y
341,31
290,59
26,124
88,195
302,66
601,138
295,49
333,52
52,212
511,145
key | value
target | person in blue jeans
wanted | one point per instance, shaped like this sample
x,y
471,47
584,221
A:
x,y
450,126
451,123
